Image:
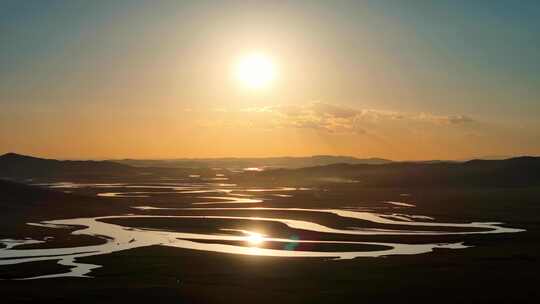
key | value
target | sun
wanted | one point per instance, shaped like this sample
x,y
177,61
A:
x,y
256,71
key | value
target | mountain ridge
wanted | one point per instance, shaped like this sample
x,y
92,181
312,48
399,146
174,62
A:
x,y
244,162
18,165
517,171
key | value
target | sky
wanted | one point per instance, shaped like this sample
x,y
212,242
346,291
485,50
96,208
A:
x,y
404,80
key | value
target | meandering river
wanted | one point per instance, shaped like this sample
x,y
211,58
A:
x,y
124,237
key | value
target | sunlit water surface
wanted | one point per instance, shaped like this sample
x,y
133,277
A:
x,y
120,237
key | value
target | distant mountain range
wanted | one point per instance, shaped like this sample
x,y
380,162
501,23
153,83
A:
x,y
17,166
519,171
20,167
263,162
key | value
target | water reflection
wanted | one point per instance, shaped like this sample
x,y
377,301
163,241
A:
x,y
481,227
123,238
249,241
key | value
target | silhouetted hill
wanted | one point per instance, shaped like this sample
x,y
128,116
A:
x,y
520,171
21,166
240,163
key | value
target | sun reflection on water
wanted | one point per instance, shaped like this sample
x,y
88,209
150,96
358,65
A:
x,y
255,239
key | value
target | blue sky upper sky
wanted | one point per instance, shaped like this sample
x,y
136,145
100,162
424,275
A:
x,y
397,79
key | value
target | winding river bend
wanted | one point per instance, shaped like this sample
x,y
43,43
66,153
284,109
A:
x,y
124,237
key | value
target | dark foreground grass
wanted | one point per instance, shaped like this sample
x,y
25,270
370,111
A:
x,y
487,274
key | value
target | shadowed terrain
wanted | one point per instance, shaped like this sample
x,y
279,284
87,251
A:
x,y
494,268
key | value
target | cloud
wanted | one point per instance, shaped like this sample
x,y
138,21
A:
x,y
441,119
330,110
333,118
459,119
318,116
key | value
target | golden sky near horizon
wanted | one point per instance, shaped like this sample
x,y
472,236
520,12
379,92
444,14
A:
x,y
205,79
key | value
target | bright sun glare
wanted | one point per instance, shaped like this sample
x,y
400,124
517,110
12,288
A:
x,y
255,239
255,71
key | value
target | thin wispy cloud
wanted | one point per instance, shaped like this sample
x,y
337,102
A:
x,y
331,118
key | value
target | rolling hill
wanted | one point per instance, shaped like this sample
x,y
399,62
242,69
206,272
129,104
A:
x,y
16,166
519,171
